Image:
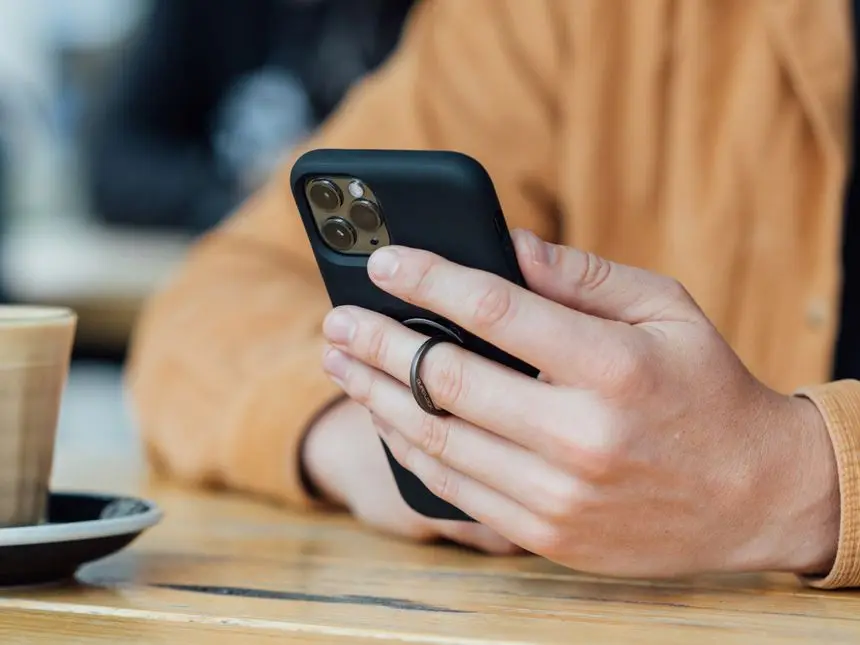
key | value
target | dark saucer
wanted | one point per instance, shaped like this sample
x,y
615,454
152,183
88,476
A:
x,y
81,528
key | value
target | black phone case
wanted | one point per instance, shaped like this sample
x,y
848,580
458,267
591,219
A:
x,y
440,201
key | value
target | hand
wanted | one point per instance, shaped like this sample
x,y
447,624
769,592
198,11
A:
x,y
647,449
345,461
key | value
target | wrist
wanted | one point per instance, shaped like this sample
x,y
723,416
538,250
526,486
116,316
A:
x,y
320,455
807,506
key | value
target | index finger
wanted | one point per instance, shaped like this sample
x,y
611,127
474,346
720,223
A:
x,y
564,343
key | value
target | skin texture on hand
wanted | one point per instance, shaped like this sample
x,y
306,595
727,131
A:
x,y
646,448
346,463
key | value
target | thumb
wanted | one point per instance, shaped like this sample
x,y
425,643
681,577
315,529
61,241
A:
x,y
596,286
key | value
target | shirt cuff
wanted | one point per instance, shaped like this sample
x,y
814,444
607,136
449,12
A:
x,y
839,404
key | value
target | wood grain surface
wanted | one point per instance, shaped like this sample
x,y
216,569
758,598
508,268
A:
x,y
225,569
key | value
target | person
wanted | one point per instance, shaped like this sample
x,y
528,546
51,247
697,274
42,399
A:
x,y
676,173
214,94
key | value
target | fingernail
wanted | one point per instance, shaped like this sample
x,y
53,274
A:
x,y
541,252
336,364
383,264
339,327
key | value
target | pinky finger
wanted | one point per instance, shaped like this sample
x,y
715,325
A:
x,y
478,536
495,511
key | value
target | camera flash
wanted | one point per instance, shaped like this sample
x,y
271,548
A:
x,y
356,189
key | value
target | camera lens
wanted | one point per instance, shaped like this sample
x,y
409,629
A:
x,y
365,215
339,234
325,195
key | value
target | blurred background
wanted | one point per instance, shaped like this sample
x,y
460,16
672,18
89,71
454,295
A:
x,y
56,62
129,127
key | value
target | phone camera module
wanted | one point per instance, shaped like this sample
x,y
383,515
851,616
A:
x,y
325,195
339,234
365,215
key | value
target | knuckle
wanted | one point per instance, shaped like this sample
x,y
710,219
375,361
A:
x,y
600,462
448,380
626,371
408,456
599,465
376,344
448,486
494,305
438,478
421,533
546,539
550,429
442,482
595,271
360,389
674,290
422,286
352,383
416,531
403,453
434,434
561,498
595,452
626,367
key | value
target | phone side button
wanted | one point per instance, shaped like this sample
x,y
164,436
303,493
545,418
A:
x,y
500,226
509,250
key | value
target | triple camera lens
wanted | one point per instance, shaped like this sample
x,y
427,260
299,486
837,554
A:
x,y
341,232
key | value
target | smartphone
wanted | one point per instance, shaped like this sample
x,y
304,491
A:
x,y
353,202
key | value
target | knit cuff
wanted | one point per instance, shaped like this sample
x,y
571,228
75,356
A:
x,y
839,404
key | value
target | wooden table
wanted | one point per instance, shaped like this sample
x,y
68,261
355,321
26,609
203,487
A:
x,y
222,569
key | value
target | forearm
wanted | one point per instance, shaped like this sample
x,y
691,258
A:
x,y
225,367
326,448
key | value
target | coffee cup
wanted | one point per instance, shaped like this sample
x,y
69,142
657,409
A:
x,y
35,350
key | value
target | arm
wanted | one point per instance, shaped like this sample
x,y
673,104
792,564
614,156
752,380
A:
x,y
225,369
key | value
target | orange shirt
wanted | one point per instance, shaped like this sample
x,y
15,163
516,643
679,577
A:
x,y
704,139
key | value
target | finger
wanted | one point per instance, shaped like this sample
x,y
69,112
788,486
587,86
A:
x,y
477,537
593,285
551,337
487,506
465,384
538,485
458,444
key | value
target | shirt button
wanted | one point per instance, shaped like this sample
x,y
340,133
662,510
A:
x,y
817,312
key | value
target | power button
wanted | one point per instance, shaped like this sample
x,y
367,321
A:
x,y
508,246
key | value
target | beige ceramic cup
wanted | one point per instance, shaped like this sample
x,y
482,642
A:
x,y
35,350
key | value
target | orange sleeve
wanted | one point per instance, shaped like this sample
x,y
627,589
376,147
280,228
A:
x,y
839,404
224,370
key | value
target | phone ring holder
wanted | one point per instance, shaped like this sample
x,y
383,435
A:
x,y
440,334
433,328
419,389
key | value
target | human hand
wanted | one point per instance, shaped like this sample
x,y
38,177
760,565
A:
x,y
647,448
346,463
